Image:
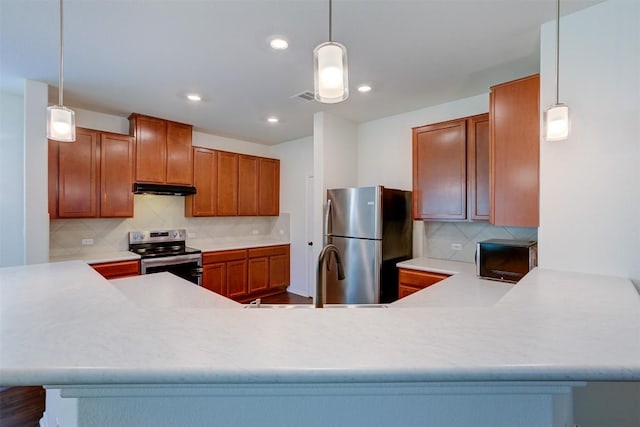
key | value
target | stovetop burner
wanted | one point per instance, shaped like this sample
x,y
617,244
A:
x,y
164,243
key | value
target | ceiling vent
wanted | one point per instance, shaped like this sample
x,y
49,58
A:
x,y
306,96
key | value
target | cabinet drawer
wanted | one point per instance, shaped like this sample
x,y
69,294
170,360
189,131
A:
x,y
112,270
419,279
222,256
268,251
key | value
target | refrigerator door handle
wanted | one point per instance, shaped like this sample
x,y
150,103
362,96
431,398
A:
x,y
327,222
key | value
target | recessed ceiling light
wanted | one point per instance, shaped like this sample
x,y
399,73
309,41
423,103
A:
x,y
194,97
273,119
364,88
278,43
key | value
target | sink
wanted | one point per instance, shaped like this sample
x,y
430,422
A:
x,y
310,306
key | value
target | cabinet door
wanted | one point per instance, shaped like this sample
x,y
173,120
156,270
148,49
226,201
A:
x,y
179,154
478,167
515,152
258,274
440,171
214,278
279,270
203,203
78,175
114,270
151,148
237,278
269,187
419,279
53,178
227,201
406,290
116,175
247,185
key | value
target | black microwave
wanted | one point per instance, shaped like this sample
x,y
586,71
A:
x,y
506,260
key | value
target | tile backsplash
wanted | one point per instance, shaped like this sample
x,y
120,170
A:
x,y
156,212
439,237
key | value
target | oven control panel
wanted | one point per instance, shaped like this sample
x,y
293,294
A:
x,y
157,236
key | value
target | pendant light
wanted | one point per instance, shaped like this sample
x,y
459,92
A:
x,y
331,83
61,121
556,117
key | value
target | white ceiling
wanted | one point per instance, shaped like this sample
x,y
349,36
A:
x,y
124,56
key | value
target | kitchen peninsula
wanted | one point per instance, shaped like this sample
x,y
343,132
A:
x,y
132,357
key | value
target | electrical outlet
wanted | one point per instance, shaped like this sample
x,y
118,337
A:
x,y
87,242
456,246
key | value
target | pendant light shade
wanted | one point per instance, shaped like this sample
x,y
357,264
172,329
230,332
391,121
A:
x,y
61,121
556,117
331,82
556,122
330,72
61,124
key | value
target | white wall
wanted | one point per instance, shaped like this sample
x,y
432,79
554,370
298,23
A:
x,y
384,145
101,121
36,208
296,166
12,174
229,144
590,184
335,154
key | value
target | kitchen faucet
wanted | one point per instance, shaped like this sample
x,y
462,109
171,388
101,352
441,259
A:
x,y
325,253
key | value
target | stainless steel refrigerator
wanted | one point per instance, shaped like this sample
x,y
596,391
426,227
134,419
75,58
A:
x,y
373,229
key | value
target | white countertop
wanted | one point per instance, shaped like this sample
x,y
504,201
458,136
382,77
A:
x,y
230,244
439,266
98,257
62,323
205,245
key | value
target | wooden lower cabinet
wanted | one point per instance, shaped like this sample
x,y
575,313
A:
x,y
410,281
246,274
115,270
237,279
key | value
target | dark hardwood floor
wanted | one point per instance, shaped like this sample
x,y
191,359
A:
x,y
286,298
21,406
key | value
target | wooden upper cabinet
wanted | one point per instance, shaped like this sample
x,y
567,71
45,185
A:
x,y
232,184
179,154
269,187
440,171
478,167
151,148
78,172
203,203
163,150
247,186
116,175
227,185
91,177
515,152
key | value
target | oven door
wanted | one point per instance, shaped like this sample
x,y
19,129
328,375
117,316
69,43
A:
x,y
188,267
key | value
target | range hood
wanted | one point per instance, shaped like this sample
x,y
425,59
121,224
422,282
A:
x,y
163,189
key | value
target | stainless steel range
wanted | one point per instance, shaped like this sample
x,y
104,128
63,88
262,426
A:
x,y
166,250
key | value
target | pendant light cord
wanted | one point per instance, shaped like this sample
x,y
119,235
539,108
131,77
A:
x,y
60,83
558,53
330,14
